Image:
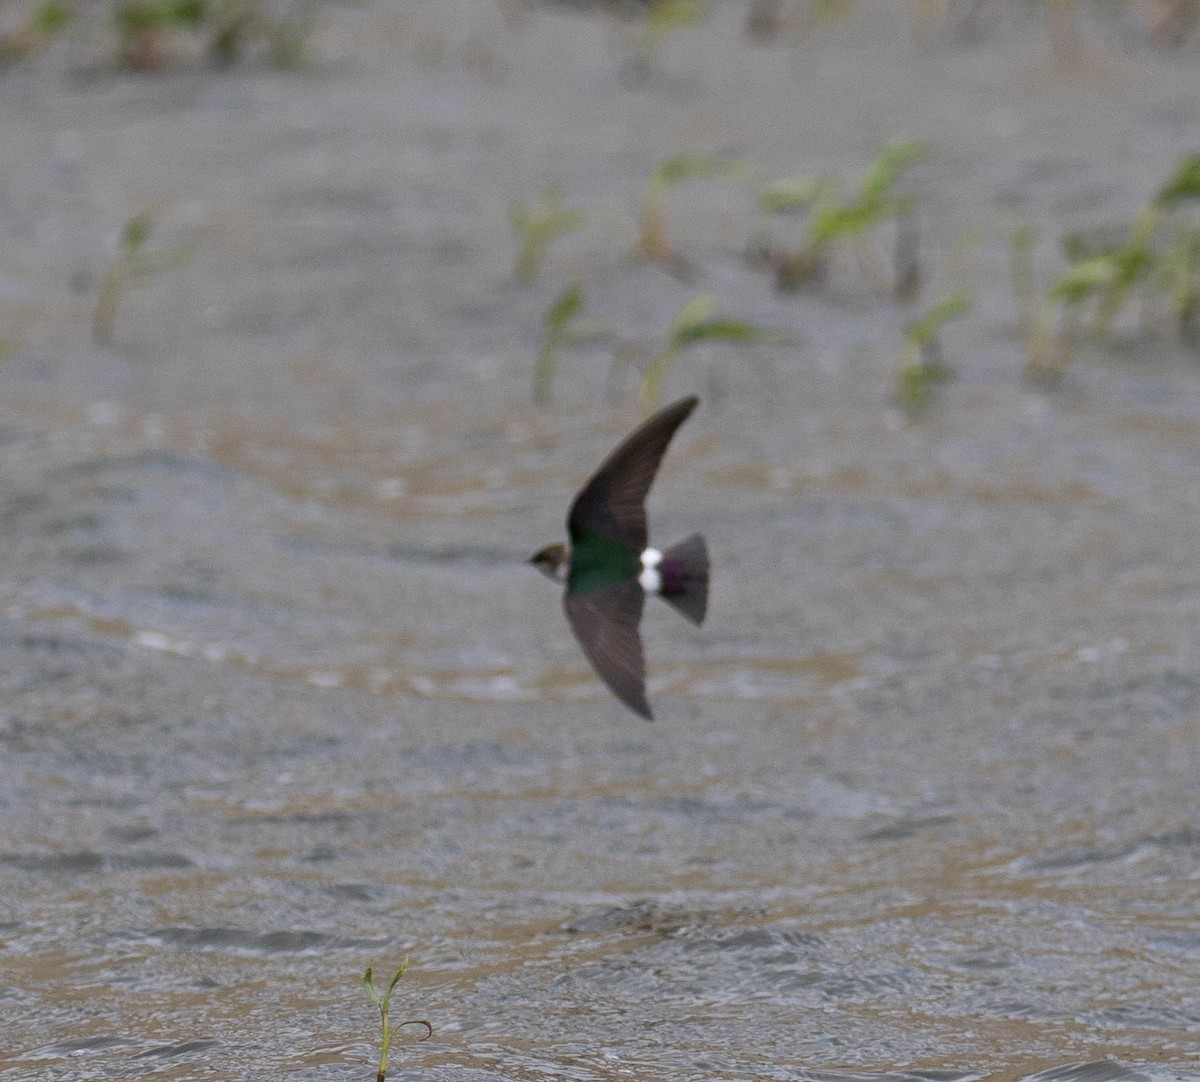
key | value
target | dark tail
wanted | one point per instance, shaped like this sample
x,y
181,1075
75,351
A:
x,y
684,571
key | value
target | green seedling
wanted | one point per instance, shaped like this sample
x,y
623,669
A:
x,y
1104,272
922,365
560,328
1156,256
906,260
695,323
231,25
654,243
147,29
1156,259
882,174
794,268
288,37
1048,352
1124,268
796,195
1182,186
144,28
1180,263
833,220
131,266
1179,270
1051,324
667,16
661,20
383,1001
1055,321
46,22
536,226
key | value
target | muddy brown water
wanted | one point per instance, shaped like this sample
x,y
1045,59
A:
x,y
279,700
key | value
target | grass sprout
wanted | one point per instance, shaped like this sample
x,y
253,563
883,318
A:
x,y
43,25
833,220
922,364
131,266
382,1000
536,225
560,328
149,30
697,322
1153,261
660,22
654,242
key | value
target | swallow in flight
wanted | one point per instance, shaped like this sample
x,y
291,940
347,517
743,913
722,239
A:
x,y
609,568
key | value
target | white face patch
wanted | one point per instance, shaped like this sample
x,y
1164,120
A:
x,y
651,580
651,558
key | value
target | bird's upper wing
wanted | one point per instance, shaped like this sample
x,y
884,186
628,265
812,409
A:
x,y
613,503
605,622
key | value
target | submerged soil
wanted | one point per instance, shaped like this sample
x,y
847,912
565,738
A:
x,y
279,700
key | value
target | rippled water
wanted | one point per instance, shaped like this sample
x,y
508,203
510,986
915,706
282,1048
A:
x,y
279,701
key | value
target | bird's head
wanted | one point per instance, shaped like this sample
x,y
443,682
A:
x,y
552,561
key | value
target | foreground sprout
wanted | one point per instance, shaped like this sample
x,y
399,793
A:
x,y
382,1001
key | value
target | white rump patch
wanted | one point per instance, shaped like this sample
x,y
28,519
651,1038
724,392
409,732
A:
x,y
650,578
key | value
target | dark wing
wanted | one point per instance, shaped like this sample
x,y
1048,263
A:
x,y
605,622
613,503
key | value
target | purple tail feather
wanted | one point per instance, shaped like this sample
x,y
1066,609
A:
x,y
684,571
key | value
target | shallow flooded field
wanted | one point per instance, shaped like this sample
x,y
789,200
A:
x,y
279,699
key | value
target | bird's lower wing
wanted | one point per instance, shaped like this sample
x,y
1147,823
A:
x,y
605,622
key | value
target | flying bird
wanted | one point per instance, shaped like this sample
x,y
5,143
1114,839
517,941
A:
x,y
609,568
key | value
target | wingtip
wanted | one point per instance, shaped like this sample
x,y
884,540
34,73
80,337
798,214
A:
x,y
687,404
637,703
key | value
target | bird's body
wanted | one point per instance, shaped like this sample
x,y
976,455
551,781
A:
x,y
608,568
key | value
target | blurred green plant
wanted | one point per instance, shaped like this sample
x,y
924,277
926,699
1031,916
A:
x,y
697,322
922,364
1183,186
833,220
1154,261
47,20
654,244
143,27
661,20
382,1000
150,31
666,16
131,266
1180,261
560,328
535,226
287,42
